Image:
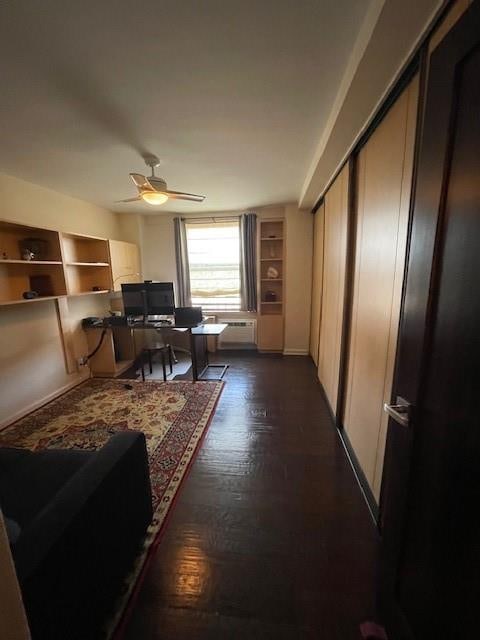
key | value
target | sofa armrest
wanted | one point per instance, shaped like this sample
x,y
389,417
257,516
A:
x,y
82,543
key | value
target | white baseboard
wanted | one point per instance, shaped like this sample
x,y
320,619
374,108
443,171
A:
x,y
295,352
39,403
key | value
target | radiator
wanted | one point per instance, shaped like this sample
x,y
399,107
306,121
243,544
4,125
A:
x,y
239,333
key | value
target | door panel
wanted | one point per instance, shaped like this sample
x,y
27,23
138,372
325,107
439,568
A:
x,y
384,172
317,277
334,272
430,549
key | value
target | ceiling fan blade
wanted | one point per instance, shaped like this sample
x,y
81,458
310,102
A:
x,y
129,200
179,195
140,181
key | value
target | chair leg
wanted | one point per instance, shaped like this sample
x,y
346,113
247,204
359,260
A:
x,y
150,361
175,360
163,365
170,358
143,371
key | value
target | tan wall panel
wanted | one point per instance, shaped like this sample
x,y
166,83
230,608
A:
x,y
298,279
384,185
317,283
334,269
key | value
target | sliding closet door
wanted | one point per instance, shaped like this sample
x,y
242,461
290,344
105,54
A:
x,y
317,277
334,269
384,173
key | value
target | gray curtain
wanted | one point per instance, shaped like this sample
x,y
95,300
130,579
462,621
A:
x,y
248,238
181,255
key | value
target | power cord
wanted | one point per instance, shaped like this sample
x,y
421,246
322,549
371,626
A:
x,y
100,342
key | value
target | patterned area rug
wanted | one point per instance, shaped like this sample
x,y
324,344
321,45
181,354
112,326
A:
x,y
172,415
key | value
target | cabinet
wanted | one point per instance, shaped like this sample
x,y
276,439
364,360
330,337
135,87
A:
x,y
116,354
125,263
271,270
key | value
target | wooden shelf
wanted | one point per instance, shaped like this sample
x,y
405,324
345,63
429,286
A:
x,y
276,302
6,303
272,279
88,293
87,264
30,261
16,238
271,259
270,239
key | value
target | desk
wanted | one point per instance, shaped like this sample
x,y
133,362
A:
x,y
201,331
119,350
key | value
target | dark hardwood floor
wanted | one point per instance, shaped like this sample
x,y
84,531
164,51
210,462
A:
x,y
270,536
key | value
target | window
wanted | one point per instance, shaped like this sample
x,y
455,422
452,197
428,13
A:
x,y
214,261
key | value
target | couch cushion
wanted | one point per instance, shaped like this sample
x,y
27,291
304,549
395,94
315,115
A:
x,y
10,458
31,482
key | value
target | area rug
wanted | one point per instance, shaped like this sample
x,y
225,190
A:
x,y
172,415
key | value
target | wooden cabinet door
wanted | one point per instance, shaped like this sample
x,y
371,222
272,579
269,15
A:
x,y
125,263
384,173
317,283
270,332
334,273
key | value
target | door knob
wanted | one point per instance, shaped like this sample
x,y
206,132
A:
x,y
400,411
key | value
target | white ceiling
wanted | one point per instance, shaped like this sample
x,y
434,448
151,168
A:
x,y
233,95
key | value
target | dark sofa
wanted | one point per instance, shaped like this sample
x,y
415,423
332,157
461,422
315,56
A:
x,y
79,518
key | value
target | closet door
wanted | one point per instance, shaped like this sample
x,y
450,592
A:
x,y
317,278
334,269
384,173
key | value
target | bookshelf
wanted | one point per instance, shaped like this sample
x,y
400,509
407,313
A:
x,y
271,252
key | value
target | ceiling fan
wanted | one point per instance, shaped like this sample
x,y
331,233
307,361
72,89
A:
x,y
154,190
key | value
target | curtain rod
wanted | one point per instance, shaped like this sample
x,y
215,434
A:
x,y
210,219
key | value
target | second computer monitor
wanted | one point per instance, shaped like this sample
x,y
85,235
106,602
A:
x,y
134,299
160,298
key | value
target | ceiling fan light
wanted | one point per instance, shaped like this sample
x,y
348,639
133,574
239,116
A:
x,y
154,198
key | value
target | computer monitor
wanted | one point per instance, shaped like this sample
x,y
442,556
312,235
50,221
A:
x,y
160,298
134,299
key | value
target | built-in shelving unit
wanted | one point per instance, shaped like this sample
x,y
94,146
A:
x,y
87,263
271,252
30,260
52,263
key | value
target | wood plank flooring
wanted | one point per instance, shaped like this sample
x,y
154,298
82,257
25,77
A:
x,y
270,536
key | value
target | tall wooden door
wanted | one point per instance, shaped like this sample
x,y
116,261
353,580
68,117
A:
x,y
431,527
384,174
317,285
334,273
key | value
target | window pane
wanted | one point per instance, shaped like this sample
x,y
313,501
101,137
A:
x,y
214,258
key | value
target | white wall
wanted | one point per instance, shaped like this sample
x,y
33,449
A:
x,y
388,41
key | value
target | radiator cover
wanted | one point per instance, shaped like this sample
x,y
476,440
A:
x,y
240,332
